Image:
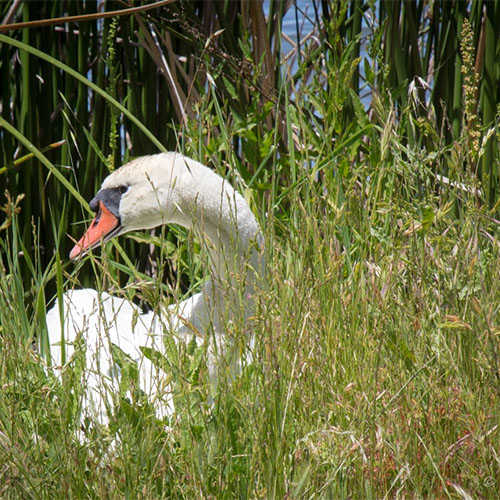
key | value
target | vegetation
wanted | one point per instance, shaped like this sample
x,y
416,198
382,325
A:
x,y
369,150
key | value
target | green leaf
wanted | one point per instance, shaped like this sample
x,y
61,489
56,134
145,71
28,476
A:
x,y
85,81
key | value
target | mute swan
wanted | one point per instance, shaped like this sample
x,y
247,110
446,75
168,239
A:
x,y
145,193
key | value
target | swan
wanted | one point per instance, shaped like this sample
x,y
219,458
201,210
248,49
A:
x,y
145,193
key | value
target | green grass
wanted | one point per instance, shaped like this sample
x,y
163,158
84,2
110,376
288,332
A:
x,y
375,373
376,369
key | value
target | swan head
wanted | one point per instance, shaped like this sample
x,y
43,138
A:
x,y
139,195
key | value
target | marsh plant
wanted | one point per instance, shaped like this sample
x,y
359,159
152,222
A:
x,y
367,149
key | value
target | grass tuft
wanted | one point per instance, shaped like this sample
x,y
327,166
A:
x,y
375,371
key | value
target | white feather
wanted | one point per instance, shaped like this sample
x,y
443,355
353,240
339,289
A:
x,y
163,188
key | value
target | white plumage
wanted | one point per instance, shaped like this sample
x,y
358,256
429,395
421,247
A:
x,y
145,193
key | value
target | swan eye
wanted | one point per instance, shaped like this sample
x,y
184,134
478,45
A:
x,y
122,189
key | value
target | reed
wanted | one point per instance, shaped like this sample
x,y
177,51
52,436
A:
x,y
368,151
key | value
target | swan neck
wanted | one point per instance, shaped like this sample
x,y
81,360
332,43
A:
x,y
223,223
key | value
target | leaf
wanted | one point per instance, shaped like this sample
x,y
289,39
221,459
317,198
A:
x,y
85,81
427,217
157,241
230,87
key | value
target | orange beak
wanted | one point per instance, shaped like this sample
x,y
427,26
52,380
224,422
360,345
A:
x,y
102,226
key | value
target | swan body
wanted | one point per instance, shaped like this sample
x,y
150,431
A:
x,y
104,321
145,193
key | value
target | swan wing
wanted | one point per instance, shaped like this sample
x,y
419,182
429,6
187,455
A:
x,y
108,323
